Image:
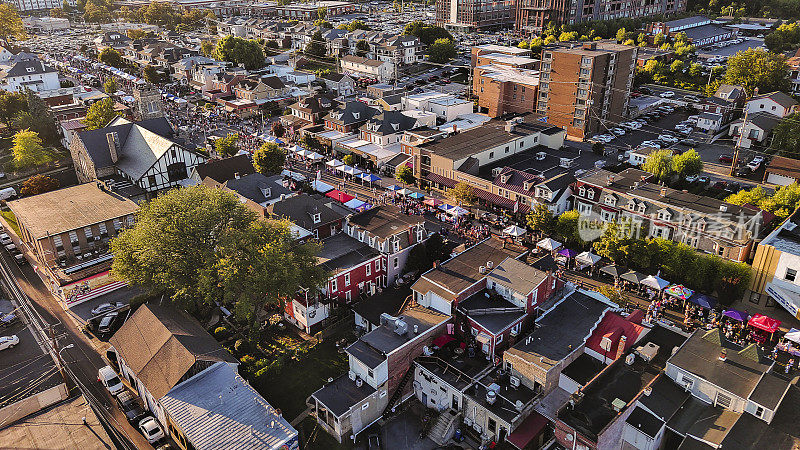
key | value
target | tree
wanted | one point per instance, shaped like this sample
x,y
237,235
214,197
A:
x,y
403,174
781,203
240,51
136,33
621,33
277,129
785,37
11,104
10,23
659,163
568,36
354,25
462,193
442,51
38,118
540,219
111,57
676,66
97,11
227,146
322,13
422,256
349,160
427,34
316,46
269,159
687,163
151,75
207,48
161,14
536,45
785,137
659,39
524,45
57,13
173,246
566,227
110,86
322,23
39,184
263,264
310,142
757,69
27,150
100,114
362,47
598,148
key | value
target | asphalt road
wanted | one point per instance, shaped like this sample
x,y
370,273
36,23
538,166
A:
x,y
26,369
83,359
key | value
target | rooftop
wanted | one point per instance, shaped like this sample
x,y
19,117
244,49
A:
x,y
340,395
782,165
388,301
517,275
619,381
70,208
385,221
219,409
491,311
340,252
510,400
552,341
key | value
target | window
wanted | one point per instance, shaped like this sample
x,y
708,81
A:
x,y
723,400
759,411
317,217
370,374
117,224
582,191
347,279
491,155
334,288
365,406
151,180
73,237
369,269
396,263
383,394
491,425
499,339
590,194
791,274
88,232
396,245
176,171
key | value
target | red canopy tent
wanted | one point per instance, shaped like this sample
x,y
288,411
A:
x,y
531,427
340,196
765,323
443,340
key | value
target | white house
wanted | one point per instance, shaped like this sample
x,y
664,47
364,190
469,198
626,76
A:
x,y
775,103
340,83
757,128
28,73
372,68
709,121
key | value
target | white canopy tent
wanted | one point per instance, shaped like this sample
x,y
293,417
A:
x,y
334,163
655,282
588,258
514,231
549,244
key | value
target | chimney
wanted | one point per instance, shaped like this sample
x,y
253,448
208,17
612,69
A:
x,y
590,46
723,355
621,347
113,142
236,175
455,129
663,192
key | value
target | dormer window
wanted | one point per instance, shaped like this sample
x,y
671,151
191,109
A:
x,y
30,69
582,191
590,194
396,126
356,115
317,217
267,192
641,208
396,246
664,215
610,200
631,205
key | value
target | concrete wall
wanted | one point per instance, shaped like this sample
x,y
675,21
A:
x,y
34,403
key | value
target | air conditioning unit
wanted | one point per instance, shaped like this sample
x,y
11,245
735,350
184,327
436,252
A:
x,y
513,381
352,375
482,269
630,359
496,171
359,382
477,428
467,421
687,385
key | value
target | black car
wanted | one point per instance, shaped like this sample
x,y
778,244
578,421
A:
x,y
129,404
744,171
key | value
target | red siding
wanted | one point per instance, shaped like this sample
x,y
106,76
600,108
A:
x,y
358,275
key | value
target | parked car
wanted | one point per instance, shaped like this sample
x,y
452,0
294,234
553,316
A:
x,y
105,307
106,325
108,378
725,158
688,141
703,179
5,239
692,178
7,319
151,430
744,171
668,138
733,186
8,341
667,94
129,404
19,258
618,131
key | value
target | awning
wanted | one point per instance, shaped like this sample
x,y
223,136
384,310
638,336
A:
x,y
735,314
483,338
588,258
440,180
679,291
339,195
633,276
514,231
703,300
393,188
793,335
765,323
611,269
369,178
320,186
314,156
569,253
532,426
655,282
334,163
416,195
443,340
355,204
350,170
549,244
432,202
404,191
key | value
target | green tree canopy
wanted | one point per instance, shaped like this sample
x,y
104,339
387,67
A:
x,y
150,74
659,163
427,34
442,51
240,51
100,114
786,137
781,203
757,69
10,23
110,86
403,174
316,46
207,48
27,149
227,146
111,57
462,193
38,184
269,159
11,104
540,219
687,163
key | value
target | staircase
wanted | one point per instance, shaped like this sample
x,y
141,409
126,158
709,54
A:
x,y
399,391
443,429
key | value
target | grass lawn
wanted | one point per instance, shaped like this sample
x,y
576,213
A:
x,y
9,217
289,387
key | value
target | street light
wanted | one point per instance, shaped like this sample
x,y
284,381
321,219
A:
x,y
61,361
64,348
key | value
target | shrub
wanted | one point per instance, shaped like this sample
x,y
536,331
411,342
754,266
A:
x,y
221,332
247,359
238,345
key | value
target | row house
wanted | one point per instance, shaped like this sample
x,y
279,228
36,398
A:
x,y
309,111
371,68
399,50
255,190
203,75
355,271
342,84
316,215
260,90
392,233
704,223
224,83
349,117
380,368
182,70
776,264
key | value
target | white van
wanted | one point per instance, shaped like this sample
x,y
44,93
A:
x,y
7,193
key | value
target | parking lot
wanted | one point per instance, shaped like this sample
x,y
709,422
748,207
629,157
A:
x,y
732,49
25,369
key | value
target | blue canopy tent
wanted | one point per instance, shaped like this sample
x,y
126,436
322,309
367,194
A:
x,y
416,195
393,188
703,300
357,204
369,178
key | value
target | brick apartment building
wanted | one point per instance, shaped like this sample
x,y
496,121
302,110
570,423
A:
x,y
600,93
502,89
475,15
533,16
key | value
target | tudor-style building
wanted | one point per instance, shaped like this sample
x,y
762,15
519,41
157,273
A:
x,y
136,159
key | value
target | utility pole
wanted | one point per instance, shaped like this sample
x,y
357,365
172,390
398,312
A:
x,y
741,136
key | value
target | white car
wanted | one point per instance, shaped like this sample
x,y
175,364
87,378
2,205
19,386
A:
x,y
5,239
151,430
650,144
692,178
618,131
668,138
8,342
667,94
108,378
